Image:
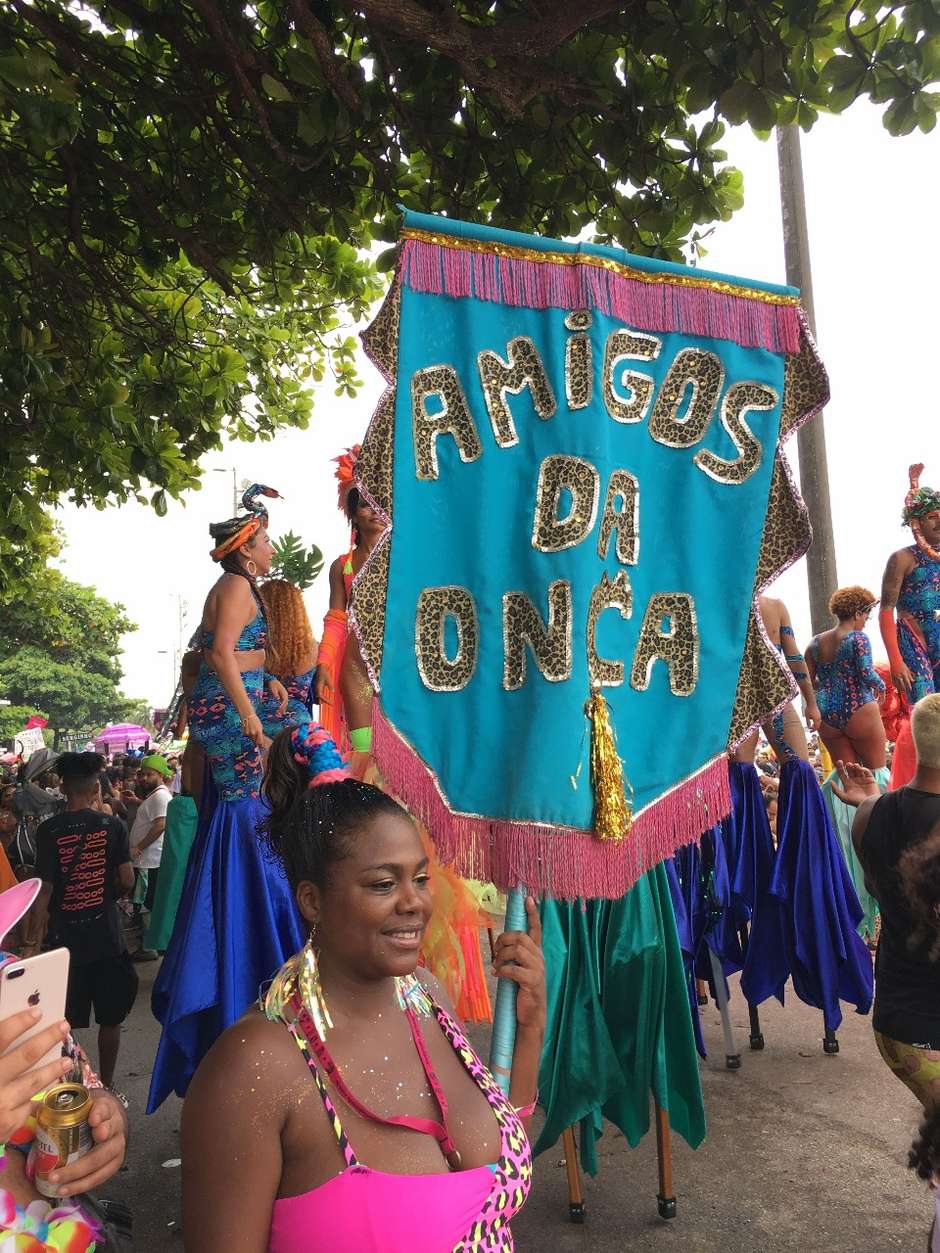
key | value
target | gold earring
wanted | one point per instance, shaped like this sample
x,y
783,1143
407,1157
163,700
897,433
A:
x,y
251,568
310,990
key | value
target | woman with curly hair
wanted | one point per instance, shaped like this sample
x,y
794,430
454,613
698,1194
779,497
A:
x,y
291,654
847,684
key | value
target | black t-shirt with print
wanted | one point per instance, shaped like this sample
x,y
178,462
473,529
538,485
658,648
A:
x,y
79,854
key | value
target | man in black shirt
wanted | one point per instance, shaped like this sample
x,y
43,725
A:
x,y
84,863
886,831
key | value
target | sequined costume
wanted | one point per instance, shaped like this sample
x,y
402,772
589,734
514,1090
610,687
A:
x,y
369,1211
848,681
299,702
237,919
215,723
919,600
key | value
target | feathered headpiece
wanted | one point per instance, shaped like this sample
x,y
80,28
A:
x,y
919,501
234,532
346,474
315,750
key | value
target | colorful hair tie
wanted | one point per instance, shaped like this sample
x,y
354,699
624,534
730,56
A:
x,y
315,749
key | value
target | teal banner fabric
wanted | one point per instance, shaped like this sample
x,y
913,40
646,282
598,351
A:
x,y
576,500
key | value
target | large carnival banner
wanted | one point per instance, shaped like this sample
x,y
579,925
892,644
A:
x,y
579,459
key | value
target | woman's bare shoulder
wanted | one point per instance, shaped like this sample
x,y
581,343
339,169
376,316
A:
x,y
254,1053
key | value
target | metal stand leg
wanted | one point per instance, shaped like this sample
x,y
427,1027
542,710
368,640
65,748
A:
x,y
575,1195
757,1036
830,1043
666,1199
732,1056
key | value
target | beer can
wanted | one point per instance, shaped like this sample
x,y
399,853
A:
x,y
62,1134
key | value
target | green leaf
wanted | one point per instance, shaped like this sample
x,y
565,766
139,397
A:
x,y
274,88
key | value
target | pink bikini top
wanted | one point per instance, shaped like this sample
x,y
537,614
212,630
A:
x,y
362,1210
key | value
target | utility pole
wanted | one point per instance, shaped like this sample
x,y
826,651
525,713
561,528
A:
x,y
811,437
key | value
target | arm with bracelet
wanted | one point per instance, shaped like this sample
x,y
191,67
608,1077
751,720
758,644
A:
x,y
798,668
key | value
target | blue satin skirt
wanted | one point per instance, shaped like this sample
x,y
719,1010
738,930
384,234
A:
x,y
807,929
237,923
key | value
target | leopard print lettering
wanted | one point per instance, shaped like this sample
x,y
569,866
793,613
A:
x,y
609,594
551,534
629,346
453,417
704,374
740,398
499,378
625,488
439,672
677,645
551,645
579,361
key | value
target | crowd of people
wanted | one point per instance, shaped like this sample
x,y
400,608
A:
x,y
269,855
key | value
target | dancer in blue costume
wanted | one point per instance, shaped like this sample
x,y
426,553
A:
x,y
291,655
911,584
237,920
847,685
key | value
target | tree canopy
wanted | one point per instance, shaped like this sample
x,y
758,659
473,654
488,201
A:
x,y
59,654
191,189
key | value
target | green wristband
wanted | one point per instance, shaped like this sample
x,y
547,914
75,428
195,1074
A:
x,y
361,739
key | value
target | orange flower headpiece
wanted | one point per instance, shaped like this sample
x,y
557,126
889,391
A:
x,y
237,531
346,474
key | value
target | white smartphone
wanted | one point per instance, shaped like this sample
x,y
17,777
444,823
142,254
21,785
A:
x,y
39,982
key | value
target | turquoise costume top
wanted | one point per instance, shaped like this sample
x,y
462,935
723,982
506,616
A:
x,y
254,635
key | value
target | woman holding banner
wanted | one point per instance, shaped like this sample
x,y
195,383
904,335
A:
x,y
351,1017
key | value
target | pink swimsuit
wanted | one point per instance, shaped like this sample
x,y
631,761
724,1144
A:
x,y
362,1210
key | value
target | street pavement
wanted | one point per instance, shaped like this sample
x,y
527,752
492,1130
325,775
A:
x,y
804,1152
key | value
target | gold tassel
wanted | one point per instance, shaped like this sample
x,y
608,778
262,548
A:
x,y
613,812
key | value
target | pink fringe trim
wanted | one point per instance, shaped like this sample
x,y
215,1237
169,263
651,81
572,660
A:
x,y
563,862
660,306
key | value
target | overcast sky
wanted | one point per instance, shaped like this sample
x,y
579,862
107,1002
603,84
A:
x,y
872,212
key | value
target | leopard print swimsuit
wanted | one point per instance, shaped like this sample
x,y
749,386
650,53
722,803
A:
x,y
362,1210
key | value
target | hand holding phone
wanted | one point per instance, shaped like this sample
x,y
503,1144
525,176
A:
x,y
39,982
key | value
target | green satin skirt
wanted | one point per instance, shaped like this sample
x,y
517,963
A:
x,y
619,1022
182,819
